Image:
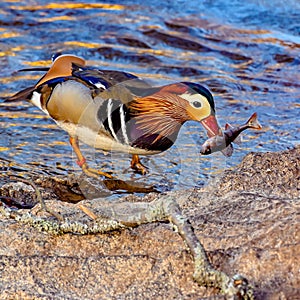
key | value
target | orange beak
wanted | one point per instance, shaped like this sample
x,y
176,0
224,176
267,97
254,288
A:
x,y
211,125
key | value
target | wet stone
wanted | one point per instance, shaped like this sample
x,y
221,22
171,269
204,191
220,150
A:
x,y
246,218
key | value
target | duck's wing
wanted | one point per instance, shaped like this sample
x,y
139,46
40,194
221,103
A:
x,y
117,85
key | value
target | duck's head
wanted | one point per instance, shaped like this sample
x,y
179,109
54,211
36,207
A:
x,y
201,107
174,104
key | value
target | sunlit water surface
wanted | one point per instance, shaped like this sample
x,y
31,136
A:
x,y
246,53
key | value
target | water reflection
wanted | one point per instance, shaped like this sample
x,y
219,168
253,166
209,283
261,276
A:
x,y
246,53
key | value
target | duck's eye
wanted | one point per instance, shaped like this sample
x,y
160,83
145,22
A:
x,y
197,104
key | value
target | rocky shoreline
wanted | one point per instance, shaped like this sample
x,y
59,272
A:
x,y
247,220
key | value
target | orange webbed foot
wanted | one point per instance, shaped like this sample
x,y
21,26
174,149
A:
x,y
138,166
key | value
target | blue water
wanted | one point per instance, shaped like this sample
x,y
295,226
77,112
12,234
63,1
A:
x,y
246,53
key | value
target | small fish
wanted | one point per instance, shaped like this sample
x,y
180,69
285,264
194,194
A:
x,y
231,134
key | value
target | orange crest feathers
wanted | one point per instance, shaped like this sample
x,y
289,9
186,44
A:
x,y
175,88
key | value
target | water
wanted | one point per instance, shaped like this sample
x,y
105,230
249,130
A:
x,y
247,54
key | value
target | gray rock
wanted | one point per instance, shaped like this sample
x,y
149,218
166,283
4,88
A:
x,y
247,219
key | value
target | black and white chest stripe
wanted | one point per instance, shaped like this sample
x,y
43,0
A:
x,y
114,115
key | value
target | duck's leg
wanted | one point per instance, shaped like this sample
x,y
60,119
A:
x,y
112,183
137,165
82,161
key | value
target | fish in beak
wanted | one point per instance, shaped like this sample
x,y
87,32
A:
x,y
211,125
230,134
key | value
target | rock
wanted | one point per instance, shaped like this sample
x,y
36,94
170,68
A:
x,y
247,220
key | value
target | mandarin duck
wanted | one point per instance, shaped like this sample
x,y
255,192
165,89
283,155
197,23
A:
x,y
117,111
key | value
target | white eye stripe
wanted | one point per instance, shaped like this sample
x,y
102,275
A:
x,y
191,98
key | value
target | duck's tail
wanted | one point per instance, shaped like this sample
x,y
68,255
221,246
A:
x,y
25,94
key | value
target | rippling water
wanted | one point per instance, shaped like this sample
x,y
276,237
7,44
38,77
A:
x,y
246,53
